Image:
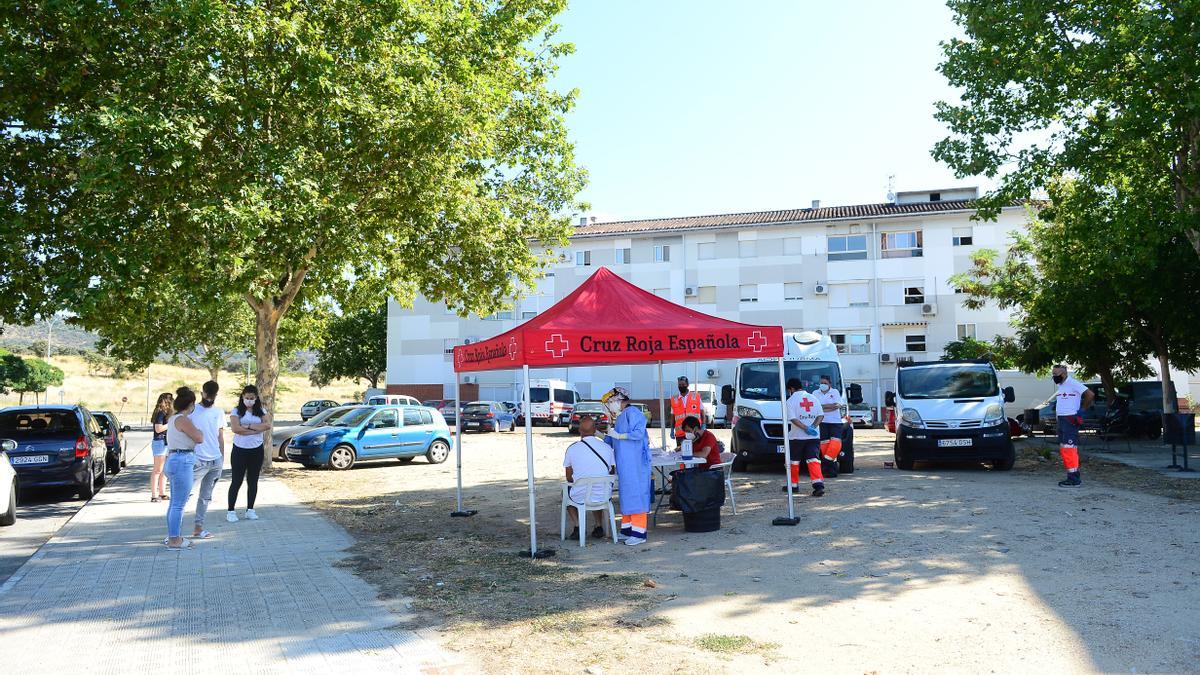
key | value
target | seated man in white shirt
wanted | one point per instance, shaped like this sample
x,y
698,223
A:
x,y
586,458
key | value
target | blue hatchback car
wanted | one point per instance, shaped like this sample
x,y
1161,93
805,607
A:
x,y
379,432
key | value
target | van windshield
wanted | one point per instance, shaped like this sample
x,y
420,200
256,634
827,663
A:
x,y
760,380
539,394
966,381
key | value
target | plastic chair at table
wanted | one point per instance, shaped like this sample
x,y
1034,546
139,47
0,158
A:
x,y
726,467
590,503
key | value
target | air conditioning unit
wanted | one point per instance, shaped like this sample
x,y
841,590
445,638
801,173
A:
x,y
929,309
690,292
820,289
884,357
713,373
470,379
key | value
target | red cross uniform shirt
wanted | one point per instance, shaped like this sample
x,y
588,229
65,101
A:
x,y
1068,398
805,407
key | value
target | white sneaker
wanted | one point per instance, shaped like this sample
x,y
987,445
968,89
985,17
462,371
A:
x,y
231,516
634,541
251,515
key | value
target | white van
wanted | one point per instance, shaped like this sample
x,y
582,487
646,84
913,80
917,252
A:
x,y
552,401
708,401
951,411
757,419
392,399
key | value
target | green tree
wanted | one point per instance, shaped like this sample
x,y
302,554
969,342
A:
x,y
1101,89
35,377
355,346
201,155
999,350
12,369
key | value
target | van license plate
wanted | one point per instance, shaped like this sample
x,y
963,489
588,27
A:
x,y
30,459
954,442
779,449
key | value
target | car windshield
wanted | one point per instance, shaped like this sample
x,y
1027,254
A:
x,y
33,424
590,407
539,394
432,404
478,408
351,418
959,381
326,417
760,380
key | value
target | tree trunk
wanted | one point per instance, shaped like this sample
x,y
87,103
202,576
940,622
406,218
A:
x,y
266,377
1110,383
213,373
1164,367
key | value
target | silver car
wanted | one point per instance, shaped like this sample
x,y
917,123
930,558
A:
x,y
315,407
280,437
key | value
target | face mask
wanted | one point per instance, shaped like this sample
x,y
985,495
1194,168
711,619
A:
x,y
691,436
683,389
248,402
824,387
614,406
1058,379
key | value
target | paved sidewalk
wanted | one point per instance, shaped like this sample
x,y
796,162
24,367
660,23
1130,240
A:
x,y
104,595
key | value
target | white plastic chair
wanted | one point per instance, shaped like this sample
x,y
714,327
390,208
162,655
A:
x,y
585,486
726,467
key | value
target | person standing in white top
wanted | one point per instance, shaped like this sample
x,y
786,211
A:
x,y
1072,398
181,439
249,423
210,453
804,436
587,458
831,424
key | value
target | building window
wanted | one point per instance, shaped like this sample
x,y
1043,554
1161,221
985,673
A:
x,y
583,258
852,343
706,295
747,248
849,247
662,253
527,315
966,330
963,236
900,244
706,251
791,246
749,292
793,291
914,343
849,295
935,196
503,315
663,293
914,295
624,255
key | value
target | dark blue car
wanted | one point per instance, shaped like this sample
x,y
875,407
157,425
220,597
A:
x,y
57,446
376,432
114,438
488,416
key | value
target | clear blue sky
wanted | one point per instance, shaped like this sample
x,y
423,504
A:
x,y
716,106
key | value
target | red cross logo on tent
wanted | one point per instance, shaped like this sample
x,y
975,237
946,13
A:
x,y
557,346
458,356
512,349
757,341
807,404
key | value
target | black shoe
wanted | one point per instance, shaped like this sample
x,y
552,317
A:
x,y
1073,480
598,532
818,490
784,489
574,534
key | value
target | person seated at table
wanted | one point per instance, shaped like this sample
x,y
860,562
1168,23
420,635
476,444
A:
x,y
588,457
704,443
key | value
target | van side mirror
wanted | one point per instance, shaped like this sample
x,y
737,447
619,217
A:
x,y
1009,395
889,399
727,394
854,395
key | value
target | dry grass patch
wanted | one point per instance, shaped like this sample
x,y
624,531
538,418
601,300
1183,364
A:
x,y
733,644
1041,457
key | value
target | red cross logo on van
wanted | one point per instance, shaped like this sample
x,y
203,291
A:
x,y
757,341
512,349
557,346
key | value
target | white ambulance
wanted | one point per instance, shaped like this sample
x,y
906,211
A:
x,y
551,401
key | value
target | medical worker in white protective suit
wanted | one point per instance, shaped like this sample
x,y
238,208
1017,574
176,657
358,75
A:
x,y
631,445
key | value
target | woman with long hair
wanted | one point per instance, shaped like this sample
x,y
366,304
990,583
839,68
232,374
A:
x,y
250,425
158,446
182,437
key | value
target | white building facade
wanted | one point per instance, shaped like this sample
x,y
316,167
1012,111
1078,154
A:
x,y
875,277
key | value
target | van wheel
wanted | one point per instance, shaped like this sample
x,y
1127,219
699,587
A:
x,y
741,461
1006,464
903,461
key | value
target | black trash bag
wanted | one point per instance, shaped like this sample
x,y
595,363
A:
x,y
698,489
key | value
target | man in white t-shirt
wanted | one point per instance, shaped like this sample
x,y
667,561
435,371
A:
x,y
831,426
589,457
210,453
804,435
1072,398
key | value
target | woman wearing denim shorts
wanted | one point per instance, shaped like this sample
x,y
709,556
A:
x,y
182,437
158,446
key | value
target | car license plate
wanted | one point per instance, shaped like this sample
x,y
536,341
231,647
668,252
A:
x,y
954,442
779,449
30,459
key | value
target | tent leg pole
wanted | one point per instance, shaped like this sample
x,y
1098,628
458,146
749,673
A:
x,y
791,518
459,512
662,408
534,553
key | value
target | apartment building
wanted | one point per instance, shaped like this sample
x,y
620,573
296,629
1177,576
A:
x,y
875,277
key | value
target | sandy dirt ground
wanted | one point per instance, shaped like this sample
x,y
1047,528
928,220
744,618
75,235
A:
x,y
946,568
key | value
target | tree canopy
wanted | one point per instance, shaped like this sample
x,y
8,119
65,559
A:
x,y
355,346
178,159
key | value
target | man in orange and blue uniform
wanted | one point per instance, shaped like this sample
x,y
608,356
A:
x,y
1072,398
686,404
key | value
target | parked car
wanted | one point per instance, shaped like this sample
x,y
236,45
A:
x,y
114,439
9,486
313,408
392,399
374,432
279,437
591,409
645,411
487,416
861,415
1138,411
444,406
57,446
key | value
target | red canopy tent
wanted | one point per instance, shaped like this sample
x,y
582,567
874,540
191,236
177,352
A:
x,y
608,321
